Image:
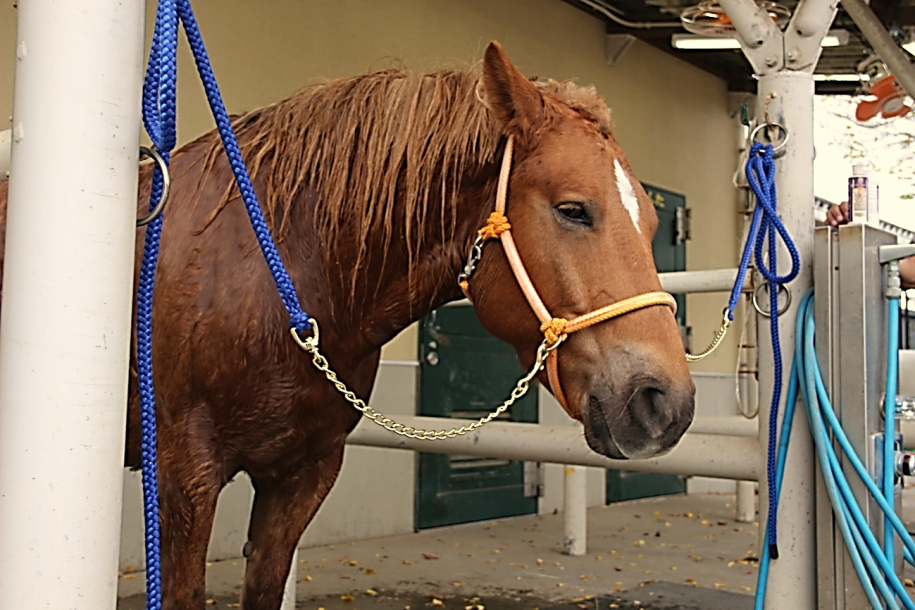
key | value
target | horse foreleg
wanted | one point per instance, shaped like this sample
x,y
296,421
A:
x,y
187,507
283,505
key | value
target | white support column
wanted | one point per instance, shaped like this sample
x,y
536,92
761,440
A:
x,y
6,143
792,576
575,511
67,289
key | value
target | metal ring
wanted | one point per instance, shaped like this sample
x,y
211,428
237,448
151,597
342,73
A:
x,y
166,185
759,128
781,310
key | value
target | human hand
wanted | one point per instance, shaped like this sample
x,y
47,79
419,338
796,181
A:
x,y
907,272
837,215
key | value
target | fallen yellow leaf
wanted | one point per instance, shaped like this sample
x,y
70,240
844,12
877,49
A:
x,y
347,598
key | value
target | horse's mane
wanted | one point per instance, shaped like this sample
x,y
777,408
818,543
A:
x,y
365,142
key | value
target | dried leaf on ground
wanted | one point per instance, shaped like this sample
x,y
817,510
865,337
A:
x,y
430,556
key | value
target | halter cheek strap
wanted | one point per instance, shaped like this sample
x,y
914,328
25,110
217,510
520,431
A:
x,y
554,330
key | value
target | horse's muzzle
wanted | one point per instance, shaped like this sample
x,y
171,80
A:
x,y
643,419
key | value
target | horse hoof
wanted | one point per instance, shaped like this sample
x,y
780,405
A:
x,y
246,550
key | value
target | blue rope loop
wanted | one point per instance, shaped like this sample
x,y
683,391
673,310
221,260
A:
x,y
765,227
159,112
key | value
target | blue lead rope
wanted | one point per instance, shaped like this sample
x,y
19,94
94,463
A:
x,y
159,103
760,170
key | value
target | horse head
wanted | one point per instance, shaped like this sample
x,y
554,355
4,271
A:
x,y
583,227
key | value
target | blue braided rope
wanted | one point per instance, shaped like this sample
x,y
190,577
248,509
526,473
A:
x,y
298,318
159,111
766,224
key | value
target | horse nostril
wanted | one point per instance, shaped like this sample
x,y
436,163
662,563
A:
x,y
648,410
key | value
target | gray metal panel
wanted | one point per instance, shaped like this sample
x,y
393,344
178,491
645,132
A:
x,y
851,347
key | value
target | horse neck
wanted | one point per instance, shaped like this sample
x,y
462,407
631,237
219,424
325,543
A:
x,y
394,295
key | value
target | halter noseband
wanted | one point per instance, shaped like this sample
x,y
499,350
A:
x,y
555,330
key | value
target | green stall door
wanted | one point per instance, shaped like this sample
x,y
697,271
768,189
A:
x,y
466,373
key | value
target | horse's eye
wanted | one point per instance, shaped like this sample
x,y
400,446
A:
x,y
574,212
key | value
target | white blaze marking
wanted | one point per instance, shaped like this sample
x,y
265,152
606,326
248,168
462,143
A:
x,y
627,194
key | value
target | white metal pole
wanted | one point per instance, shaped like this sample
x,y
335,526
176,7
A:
x,y
67,289
713,280
746,501
793,575
707,455
575,510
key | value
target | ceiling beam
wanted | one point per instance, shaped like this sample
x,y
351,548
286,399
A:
x,y
736,73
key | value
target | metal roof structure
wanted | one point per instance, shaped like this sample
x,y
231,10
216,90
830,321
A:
x,y
731,65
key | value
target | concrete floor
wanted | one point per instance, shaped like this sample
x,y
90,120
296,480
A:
x,y
672,548
669,553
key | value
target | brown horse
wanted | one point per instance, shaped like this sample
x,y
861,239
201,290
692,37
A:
x,y
374,187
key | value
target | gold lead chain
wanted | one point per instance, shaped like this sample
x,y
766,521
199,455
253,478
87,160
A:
x,y
310,345
725,323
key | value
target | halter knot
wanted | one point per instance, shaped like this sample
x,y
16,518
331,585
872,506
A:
x,y
554,330
496,224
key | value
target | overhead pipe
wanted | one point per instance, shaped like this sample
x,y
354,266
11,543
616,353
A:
x,y
895,58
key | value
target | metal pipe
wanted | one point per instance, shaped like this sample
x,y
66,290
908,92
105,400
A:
x,y
725,425
792,577
746,501
685,282
707,455
575,511
753,25
67,289
714,280
892,55
6,145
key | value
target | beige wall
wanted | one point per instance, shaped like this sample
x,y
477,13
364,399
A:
x,y
671,118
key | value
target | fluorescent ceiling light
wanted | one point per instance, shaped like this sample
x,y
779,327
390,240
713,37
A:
x,y
851,78
694,42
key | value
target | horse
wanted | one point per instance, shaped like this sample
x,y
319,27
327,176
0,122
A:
x,y
374,188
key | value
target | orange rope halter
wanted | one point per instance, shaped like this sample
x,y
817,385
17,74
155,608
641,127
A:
x,y
554,330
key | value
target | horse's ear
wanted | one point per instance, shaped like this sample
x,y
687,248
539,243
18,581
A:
x,y
515,101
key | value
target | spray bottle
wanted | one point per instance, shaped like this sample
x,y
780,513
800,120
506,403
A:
x,y
858,194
